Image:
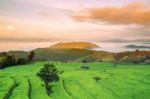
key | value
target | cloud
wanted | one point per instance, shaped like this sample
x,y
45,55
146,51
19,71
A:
x,y
125,41
44,14
133,13
30,40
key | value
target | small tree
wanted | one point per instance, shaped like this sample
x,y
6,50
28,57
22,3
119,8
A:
x,y
48,74
31,56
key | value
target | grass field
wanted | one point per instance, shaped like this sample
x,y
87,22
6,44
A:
x,y
121,82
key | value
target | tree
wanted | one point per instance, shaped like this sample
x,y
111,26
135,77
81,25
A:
x,y
48,74
22,61
2,64
10,60
31,56
3,54
7,60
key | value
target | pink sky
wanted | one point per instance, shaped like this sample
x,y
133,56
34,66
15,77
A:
x,y
78,20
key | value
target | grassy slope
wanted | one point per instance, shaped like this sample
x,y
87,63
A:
x,y
122,82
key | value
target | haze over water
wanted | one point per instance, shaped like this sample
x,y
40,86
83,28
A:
x,y
22,46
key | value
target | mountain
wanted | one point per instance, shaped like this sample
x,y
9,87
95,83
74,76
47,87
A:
x,y
77,45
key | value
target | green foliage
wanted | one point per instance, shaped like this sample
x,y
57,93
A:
x,y
48,73
10,60
3,54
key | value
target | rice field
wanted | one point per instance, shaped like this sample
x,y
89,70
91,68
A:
x,y
120,82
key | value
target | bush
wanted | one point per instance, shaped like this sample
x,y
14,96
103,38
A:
x,y
97,78
85,67
84,61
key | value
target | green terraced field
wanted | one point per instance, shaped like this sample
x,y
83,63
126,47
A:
x,y
121,82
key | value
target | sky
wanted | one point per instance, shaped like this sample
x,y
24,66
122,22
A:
x,y
74,20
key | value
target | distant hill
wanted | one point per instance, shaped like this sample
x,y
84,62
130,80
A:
x,y
77,45
80,51
98,56
137,47
21,54
85,54
137,57
61,54
67,54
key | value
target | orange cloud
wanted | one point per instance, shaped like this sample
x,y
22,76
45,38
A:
x,y
134,13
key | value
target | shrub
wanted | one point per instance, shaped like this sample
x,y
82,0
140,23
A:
x,y
85,67
97,78
84,61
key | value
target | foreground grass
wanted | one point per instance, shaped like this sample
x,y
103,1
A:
x,y
121,82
